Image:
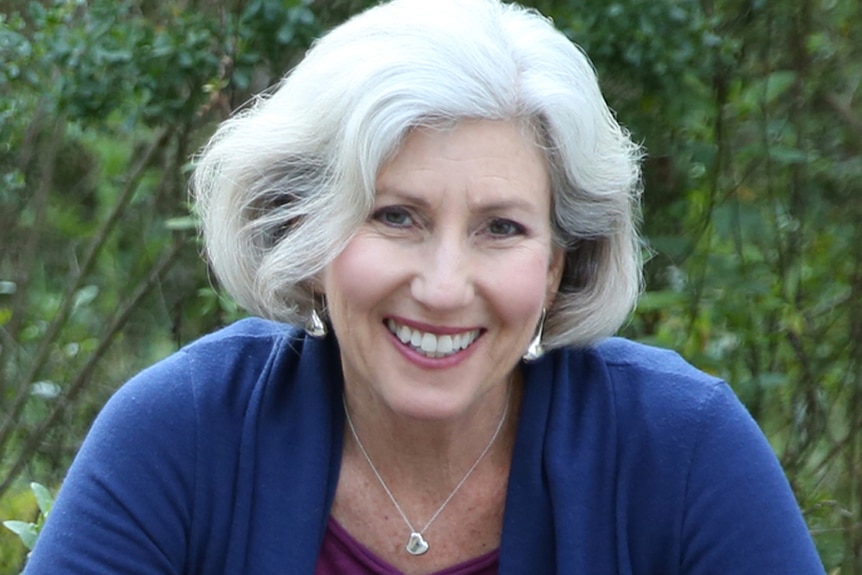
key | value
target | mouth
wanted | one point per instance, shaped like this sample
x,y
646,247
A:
x,y
432,345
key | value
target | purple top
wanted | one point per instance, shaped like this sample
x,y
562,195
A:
x,y
341,554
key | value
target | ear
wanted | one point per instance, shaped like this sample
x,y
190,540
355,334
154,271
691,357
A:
x,y
556,265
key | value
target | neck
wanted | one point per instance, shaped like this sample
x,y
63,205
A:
x,y
434,454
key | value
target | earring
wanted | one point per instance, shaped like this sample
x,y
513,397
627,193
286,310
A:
x,y
535,349
314,326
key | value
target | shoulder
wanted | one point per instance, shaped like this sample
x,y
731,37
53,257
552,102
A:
x,y
238,352
641,382
642,363
212,379
647,407
248,330
246,340
638,405
670,428
674,457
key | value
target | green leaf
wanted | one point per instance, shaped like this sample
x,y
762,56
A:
x,y
787,155
43,498
658,300
778,83
86,295
772,379
767,90
27,532
181,223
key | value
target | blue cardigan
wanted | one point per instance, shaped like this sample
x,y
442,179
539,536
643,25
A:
x,y
223,459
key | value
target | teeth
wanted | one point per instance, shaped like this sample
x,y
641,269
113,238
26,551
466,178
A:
x,y
430,344
416,339
444,344
403,332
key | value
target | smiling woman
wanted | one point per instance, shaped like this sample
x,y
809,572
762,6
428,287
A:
x,y
440,195
457,214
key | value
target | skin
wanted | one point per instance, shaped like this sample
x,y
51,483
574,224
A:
x,y
459,243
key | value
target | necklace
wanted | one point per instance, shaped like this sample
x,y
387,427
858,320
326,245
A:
x,y
416,543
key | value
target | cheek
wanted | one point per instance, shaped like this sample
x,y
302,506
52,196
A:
x,y
519,288
358,276
347,271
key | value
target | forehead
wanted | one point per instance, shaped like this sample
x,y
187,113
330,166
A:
x,y
490,160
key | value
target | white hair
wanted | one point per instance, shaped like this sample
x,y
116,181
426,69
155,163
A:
x,y
283,185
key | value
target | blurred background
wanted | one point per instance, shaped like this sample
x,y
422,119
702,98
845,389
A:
x,y
750,112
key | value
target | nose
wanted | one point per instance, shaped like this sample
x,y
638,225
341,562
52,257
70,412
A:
x,y
443,281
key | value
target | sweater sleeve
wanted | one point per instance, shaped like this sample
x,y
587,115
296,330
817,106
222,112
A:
x,y
125,506
741,515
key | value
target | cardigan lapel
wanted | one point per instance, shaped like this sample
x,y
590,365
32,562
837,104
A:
x,y
300,427
527,545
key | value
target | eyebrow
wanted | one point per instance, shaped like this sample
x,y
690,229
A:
x,y
402,195
494,206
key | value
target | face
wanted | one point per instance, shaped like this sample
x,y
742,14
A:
x,y
436,298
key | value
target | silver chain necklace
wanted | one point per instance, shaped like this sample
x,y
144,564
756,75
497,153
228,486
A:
x,y
416,543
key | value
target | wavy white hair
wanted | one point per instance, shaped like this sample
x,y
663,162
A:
x,y
283,185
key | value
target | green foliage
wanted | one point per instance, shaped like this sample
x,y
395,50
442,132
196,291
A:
x,y
19,504
27,531
100,106
276,30
753,211
749,112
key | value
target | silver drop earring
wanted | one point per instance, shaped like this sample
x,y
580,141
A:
x,y
535,349
314,326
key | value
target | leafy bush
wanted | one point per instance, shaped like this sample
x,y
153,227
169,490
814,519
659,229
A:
x,y
27,531
753,212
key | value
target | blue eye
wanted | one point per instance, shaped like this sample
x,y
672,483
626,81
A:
x,y
394,216
504,228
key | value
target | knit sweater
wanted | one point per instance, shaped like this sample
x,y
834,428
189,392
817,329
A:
x,y
224,458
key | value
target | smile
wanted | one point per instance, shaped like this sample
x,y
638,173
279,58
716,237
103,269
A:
x,y
431,345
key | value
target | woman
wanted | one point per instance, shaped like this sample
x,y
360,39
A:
x,y
439,193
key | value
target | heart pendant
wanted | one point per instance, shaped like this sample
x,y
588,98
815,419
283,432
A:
x,y
416,545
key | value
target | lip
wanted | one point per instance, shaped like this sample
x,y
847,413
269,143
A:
x,y
428,362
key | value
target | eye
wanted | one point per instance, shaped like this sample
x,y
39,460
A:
x,y
394,216
504,228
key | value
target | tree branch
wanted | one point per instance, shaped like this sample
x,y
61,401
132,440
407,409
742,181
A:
x,y
83,376
45,344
